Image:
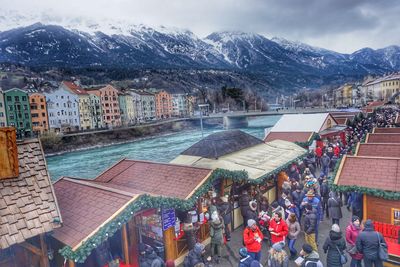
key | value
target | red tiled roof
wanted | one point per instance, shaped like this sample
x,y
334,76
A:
x,y
289,136
375,104
387,130
383,138
370,172
341,121
379,150
74,88
28,206
160,179
85,206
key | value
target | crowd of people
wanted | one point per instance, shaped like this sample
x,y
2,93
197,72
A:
x,y
305,200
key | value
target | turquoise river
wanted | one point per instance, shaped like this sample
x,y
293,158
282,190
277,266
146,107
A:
x,y
89,163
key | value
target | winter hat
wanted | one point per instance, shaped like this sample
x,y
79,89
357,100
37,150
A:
x,y
278,246
251,222
335,228
354,218
243,252
287,202
307,248
368,224
198,248
310,193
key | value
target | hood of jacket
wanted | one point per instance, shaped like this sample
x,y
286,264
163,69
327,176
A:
x,y
313,255
217,224
334,236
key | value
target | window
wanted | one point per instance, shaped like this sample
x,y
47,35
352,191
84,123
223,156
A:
x,y
35,115
2,124
57,105
62,97
23,98
8,98
42,106
43,114
33,100
10,108
16,98
58,113
21,124
11,116
41,100
27,116
28,125
65,105
1,114
25,107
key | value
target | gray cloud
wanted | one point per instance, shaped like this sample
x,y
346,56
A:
x,y
341,25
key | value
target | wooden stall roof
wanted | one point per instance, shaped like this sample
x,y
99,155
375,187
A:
x,y
379,150
160,179
86,206
221,143
383,138
387,130
289,136
341,120
28,206
257,160
369,172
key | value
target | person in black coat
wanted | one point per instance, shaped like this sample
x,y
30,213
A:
x,y
195,256
244,201
310,224
225,210
297,197
334,245
367,243
335,207
324,189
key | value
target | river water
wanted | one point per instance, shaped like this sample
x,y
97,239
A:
x,y
90,163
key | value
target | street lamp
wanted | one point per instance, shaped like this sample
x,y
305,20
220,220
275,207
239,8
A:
x,y
201,117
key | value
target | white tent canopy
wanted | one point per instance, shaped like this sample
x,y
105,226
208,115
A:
x,y
302,122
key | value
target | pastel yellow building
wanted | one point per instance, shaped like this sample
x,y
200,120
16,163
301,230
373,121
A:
x,y
343,95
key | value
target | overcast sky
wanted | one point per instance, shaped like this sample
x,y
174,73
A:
x,y
340,25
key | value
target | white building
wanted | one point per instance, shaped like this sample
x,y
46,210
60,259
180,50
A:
x,y
63,110
179,105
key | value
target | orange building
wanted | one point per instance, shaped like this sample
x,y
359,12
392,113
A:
x,y
109,102
40,122
163,104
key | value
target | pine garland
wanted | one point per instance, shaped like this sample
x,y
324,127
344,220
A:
x,y
147,201
308,143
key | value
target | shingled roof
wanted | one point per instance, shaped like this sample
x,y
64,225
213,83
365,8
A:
x,y
289,136
387,130
222,143
85,207
379,150
384,138
28,206
153,178
370,172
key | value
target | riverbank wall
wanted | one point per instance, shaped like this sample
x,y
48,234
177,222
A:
x,y
54,144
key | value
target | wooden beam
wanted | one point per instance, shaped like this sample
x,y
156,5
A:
x,y
31,248
365,215
44,259
125,246
171,250
71,263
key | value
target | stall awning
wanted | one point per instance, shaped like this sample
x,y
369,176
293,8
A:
x,y
257,160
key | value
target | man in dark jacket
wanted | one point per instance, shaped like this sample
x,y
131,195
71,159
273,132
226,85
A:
x,y
245,258
225,210
310,224
195,256
325,162
151,259
244,201
368,244
298,196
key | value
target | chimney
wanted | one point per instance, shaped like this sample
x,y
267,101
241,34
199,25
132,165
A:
x,y
8,153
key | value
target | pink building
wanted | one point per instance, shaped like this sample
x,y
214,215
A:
x,y
109,102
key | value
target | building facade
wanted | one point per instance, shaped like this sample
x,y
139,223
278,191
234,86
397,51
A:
x,y
110,106
40,122
147,105
390,85
179,105
191,104
96,111
137,105
127,108
18,111
63,110
342,96
3,117
163,101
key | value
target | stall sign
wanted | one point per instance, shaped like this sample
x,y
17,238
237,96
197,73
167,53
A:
x,y
168,218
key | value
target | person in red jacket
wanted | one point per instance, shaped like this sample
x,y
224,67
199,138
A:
x,y
278,228
352,232
336,150
253,238
318,153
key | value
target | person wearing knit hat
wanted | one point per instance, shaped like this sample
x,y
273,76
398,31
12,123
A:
x,y
252,238
335,247
277,256
367,243
245,258
352,232
309,255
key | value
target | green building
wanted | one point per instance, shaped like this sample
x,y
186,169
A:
x,y
18,111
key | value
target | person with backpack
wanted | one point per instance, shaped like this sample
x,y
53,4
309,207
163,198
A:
x,y
217,236
335,245
195,256
252,238
310,256
335,207
368,243
245,258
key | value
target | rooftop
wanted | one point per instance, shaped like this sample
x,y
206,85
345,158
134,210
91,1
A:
x,y
74,88
379,150
387,130
155,178
28,206
301,122
289,136
383,138
222,143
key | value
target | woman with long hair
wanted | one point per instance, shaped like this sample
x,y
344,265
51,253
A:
x,y
294,230
277,256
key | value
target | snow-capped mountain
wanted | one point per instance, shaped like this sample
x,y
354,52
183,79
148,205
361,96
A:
x,y
78,43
